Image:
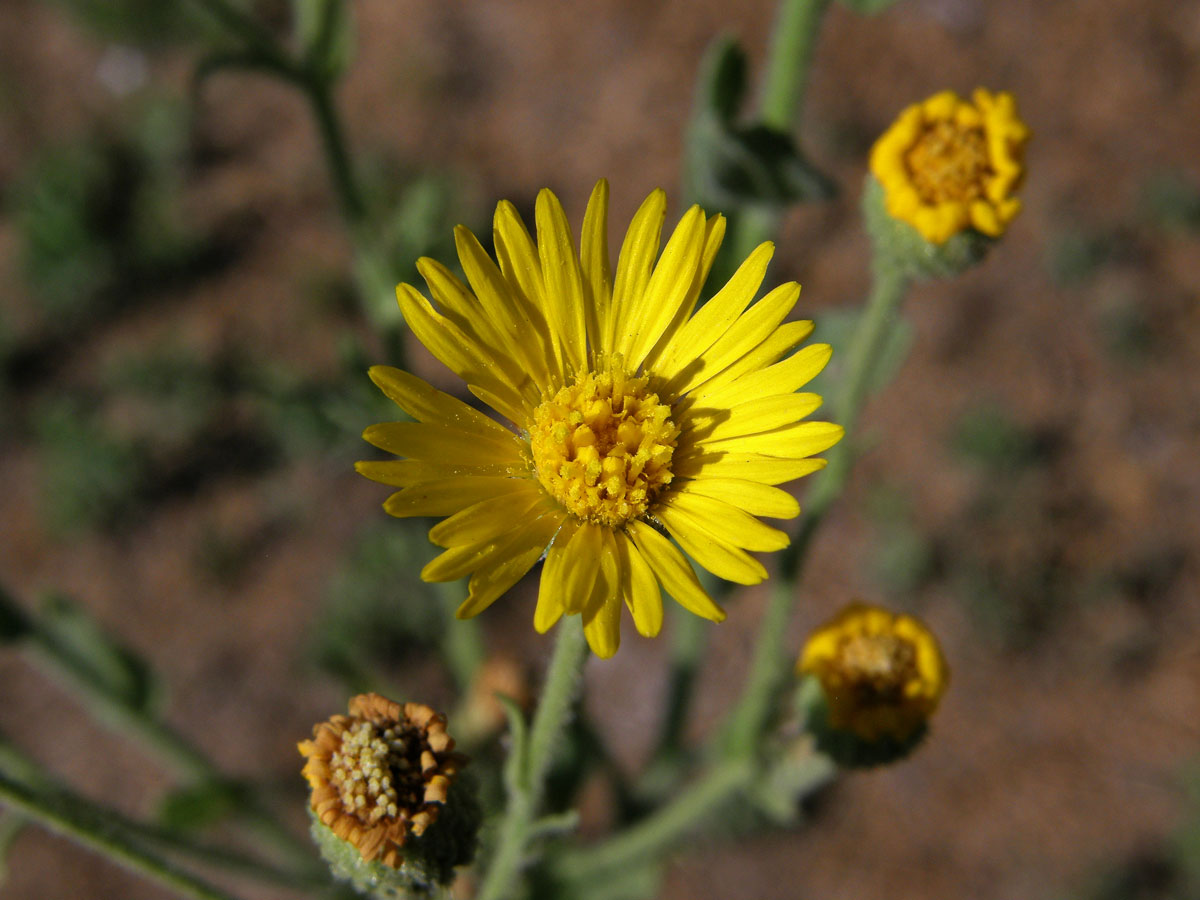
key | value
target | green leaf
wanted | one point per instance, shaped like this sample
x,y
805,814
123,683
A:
x,y
730,165
81,645
514,765
199,805
867,7
325,29
11,825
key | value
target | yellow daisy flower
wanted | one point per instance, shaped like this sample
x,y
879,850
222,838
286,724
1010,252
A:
x,y
947,164
882,674
631,416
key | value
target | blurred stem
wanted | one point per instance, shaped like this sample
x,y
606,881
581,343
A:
x,y
337,155
789,61
659,833
781,105
462,642
554,709
771,664
156,736
91,827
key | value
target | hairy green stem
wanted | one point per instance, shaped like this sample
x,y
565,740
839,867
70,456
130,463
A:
x,y
661,832
156,736
785,80
770,665
337,155
83,824
553,712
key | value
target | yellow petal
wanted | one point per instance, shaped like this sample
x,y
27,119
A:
x,y
446,496
515,322
407,472
714,423
745,335
716,316
784,338
564,281
530,541
673,571
593,255
583,555
602,628
553,586
454,348
668,288
719,557
425,403
756,499
634,264
639,588
727,522
495,515
786,376
790,441
439,444
749,466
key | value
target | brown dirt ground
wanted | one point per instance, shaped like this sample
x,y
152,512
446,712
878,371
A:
x,y
1045,763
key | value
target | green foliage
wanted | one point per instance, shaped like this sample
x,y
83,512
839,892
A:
x,y
99,220
730,166
1171,200
376,604
987,436
93,655
1074,256
197,806
410,215
141,22
903,558
89,476
324,29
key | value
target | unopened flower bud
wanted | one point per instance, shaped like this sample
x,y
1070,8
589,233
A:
x,y
876,678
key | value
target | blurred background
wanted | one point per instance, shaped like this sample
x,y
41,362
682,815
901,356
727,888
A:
x,y
183,346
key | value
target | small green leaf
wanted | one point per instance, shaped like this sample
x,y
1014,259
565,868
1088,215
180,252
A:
x,y
79,643
199,805
730,165
514,765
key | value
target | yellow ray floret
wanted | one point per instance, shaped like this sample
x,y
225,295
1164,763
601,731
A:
x,y
630,416
947,164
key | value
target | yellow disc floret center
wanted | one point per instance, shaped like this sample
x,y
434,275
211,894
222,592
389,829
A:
x,y
377,771
602,446
877,666
948,163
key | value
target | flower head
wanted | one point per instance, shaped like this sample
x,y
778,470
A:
x,y
632,414
947,164
381,774
881,674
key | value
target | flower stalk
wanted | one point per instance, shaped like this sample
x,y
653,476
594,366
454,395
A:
x,y
529,772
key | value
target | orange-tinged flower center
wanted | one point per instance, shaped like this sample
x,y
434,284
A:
x,y
877,666
602,446
948,163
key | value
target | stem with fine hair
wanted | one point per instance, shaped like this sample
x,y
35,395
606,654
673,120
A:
x,y
770,665
82,824
525,794
781,103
